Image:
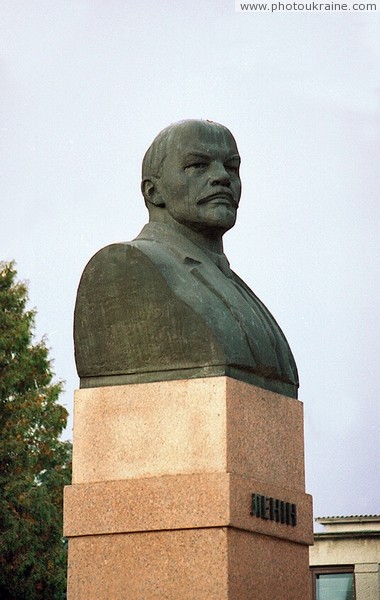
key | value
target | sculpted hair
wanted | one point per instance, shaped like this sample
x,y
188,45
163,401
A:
x,y
155,155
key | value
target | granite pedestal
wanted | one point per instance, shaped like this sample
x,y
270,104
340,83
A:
x,y
188,490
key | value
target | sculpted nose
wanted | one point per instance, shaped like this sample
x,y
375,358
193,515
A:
x,y
220,176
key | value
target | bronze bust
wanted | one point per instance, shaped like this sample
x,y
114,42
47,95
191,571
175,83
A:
x,y
167,305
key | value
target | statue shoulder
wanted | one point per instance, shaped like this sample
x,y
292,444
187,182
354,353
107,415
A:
x,y
110,260
117,270
128,320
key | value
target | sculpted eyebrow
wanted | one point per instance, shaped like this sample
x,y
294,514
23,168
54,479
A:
x,y
234,157
204,155
197,155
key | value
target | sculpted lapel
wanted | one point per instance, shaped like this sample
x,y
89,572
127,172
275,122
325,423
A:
x,y
227,304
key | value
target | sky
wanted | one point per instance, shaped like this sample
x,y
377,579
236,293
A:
x,y
85,87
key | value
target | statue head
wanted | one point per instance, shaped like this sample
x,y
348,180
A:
x,y
190,175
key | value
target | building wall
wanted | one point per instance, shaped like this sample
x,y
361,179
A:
x,y
367,581
362,552
345,551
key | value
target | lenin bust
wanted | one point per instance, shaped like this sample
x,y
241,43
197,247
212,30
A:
x,y
167,305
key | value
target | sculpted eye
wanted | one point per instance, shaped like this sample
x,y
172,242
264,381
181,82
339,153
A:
x,y
196,165
232,169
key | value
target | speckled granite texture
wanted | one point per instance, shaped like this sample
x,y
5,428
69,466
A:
x,y
195,564
188,426
163,475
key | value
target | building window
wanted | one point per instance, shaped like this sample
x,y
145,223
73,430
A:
x,y
333,583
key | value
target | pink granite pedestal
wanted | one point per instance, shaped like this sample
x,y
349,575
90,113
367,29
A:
x,y
162,504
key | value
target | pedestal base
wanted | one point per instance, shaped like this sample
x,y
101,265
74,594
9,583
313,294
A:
x,y
188,490
218,563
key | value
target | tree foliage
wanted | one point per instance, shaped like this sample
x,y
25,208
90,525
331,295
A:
x,y
34,462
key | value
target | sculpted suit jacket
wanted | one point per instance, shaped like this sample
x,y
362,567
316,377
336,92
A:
x,y
160,307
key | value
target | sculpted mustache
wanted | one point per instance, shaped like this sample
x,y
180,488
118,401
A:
x,y
223,194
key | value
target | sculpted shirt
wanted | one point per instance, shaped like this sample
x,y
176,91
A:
x,y
161,307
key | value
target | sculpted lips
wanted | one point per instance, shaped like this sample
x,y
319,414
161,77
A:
x,y
222,197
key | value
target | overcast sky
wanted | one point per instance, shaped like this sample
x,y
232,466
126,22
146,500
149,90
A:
x,y
87,84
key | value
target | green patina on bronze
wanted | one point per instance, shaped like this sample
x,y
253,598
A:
x,y
167,305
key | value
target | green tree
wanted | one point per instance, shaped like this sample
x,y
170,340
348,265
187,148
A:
x,y
34,463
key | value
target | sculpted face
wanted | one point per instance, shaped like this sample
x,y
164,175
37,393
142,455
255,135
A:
x,y
199,184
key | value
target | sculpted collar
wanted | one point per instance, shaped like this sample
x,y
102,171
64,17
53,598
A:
x,y
177,240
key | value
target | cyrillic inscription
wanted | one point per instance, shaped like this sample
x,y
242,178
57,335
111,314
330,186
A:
x,y
273,509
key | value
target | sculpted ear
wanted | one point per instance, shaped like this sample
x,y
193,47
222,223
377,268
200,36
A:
x,y
151,194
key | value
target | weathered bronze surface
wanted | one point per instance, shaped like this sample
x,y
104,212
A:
x,y
167,305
